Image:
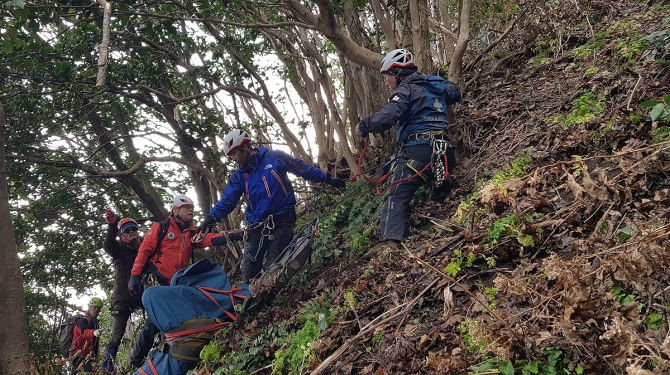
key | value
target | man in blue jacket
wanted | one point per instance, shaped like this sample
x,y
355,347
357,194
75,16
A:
x,y
270,210
420,107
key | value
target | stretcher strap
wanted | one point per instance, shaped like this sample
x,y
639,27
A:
x,y
210,327
151,367
216,326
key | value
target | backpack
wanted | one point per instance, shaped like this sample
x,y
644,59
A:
x,y
164,225
65,334
162,232
149,267
186,347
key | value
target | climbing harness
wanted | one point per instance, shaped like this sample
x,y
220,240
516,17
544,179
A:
x,y
381,180
268,225
439,159
151,280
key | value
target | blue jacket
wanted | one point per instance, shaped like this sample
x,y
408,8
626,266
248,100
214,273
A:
x,y
265,185
417,105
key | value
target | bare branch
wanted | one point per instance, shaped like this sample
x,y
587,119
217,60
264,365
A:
x,y
221,22
95,173
104,45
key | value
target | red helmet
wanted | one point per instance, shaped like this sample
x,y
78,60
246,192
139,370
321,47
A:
x,y
127,223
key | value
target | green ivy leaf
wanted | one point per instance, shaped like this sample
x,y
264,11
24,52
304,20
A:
x,y
533,367
624,234
526,240
657,111
654,321
15,3
506,368
649,103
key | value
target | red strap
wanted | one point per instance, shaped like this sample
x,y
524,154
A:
x,y
211,327
216,326
142,371
205,290
152,367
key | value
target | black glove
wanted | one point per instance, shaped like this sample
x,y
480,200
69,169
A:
x,y
135,286
236,235
335,182
361,129
209,222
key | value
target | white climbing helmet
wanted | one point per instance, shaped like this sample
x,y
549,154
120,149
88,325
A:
x,y
398,58
180,200
234,139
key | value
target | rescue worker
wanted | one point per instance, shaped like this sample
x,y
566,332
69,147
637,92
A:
x,y
270,213
123,253
161,255
420,107
85,337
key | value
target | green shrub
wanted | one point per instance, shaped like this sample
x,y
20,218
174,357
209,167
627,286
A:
x,y
250,355
359,214
459,262
518,168
592,47
501,229
660,109
591,71
296,353
211,353
556,363
508,226
628,50
584,109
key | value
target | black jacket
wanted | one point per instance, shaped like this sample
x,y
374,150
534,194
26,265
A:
x,y
123,257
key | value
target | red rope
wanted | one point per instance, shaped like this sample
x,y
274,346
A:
x,y
403,179
359,170
382,179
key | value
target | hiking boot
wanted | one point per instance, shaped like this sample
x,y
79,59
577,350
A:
x,y
385,249
110,359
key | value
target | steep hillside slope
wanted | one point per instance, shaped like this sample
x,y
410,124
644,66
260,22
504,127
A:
x,y
551,255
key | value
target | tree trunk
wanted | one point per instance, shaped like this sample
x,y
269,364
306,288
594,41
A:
x,y
15,355
456,65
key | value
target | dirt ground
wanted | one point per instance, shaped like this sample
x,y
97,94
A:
x,y
586,267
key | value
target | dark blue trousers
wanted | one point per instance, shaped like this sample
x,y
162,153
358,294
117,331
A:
x,y
410,161
263,245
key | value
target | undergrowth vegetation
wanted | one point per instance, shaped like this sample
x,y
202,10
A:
x,y
551,254
359,214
